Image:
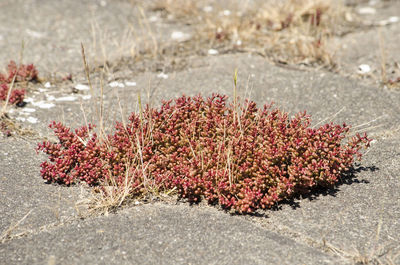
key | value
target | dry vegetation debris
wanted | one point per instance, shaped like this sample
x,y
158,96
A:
x,y
291,31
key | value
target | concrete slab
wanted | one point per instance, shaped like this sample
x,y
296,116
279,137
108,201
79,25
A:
x,y
23,194
324,95
355,222
162,234
108,29
360,217
374,45
348,216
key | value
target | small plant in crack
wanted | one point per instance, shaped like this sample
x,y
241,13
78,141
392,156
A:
x,y
15,74
11,93
232,154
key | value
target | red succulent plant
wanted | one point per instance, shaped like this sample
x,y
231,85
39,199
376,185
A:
x,y
236,155
21,73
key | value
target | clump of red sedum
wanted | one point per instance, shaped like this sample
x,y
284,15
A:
x,y
22,73
16,96
237,155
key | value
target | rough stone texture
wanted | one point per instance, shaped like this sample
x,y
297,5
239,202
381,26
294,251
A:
x,y
162,234
374,46
23,193
53,33
358,219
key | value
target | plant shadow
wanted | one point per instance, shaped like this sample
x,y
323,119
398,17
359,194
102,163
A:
x,y
348,178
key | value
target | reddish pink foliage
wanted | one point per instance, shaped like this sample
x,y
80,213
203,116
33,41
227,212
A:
x,y
21,73
16,96
205,149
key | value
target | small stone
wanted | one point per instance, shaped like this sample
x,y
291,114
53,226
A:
x,y
130,83
67,98
366,10
32,120
179,36
81,87
364,69
208,9
153,18
394,19
116,84
226,12
162,75
29,110
212,52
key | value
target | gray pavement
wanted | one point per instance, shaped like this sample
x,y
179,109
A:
x,y
356,222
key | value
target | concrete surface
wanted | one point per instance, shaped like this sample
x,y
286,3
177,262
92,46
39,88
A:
x,y
357,222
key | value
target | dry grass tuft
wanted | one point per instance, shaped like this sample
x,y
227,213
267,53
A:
x,y
178,8
291,31
8,233
9,127
376,256
389,74
375,253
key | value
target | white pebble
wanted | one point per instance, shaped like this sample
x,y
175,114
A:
x,y
388,21
42,104
226,12
116,84
47,85
82,87
208,9
28,100
67,98
46,105
130,83
162,75
364,69
212,52
366,10
32,120
153,18
29,110
50,97
180,36
394,19
176,35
